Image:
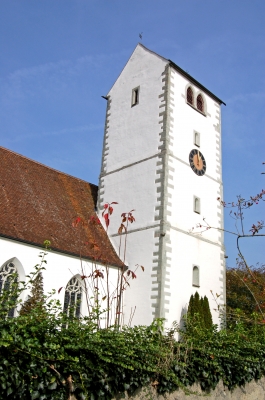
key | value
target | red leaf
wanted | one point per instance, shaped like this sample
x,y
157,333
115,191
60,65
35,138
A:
x,y
60,289
106,217
142,268
114,202
110,210
105,206
76,221
98,274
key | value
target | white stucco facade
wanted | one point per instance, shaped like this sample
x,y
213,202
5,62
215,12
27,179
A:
x,y
59,270
145,167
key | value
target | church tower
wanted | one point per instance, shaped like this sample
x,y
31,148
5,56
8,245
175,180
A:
x,y
162,158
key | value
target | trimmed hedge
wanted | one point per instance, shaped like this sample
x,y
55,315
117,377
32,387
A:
x,y
42,359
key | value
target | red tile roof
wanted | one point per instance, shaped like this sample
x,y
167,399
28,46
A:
x,y
38,203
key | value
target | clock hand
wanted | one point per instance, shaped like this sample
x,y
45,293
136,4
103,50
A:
x,y
198,157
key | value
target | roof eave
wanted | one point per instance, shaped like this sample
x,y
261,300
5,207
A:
x,y
198,84
57,250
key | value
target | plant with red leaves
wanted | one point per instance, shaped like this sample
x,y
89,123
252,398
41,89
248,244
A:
x,y
98,280
107,212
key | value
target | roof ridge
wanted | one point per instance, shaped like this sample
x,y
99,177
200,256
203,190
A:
x,y
43,165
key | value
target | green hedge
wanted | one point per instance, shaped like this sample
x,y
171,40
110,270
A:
x,y
40,357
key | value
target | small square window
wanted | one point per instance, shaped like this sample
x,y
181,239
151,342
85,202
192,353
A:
x,y
135,96
196,204
196,139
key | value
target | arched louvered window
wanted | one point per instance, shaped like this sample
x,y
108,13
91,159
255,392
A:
x,y
200,103
190,95
195,276
8,286
73,298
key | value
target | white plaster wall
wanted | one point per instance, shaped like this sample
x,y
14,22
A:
x,y
188,251
133,131
132,135
138,297
186,120
60,268
133,188
187,185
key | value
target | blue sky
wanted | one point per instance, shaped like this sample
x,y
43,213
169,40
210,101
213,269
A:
x,y
59,57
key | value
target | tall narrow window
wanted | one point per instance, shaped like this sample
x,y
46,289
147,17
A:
x,y
200,104
195,276
73,298
197,139
190,95
196,205
8,286
135,96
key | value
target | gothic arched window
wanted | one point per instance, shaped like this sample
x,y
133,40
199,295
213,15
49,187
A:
x,y
190,95
8,284
200,103
73,298
195,276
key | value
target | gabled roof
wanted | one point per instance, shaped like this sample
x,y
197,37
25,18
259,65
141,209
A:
x,y
38,203
193,80
178,69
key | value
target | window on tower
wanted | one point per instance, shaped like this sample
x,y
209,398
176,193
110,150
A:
x,y
195,276
197,139
135,96
200,103
196,204
190,95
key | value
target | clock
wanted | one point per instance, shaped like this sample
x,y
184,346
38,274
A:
x,y
197,162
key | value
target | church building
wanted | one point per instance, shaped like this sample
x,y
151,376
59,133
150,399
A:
x,y
162,159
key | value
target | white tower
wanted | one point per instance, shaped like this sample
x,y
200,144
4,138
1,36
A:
x,y
162,157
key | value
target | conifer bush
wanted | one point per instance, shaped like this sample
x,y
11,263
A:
x,y
199,313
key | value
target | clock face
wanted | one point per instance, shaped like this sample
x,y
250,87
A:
x,y
197,162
